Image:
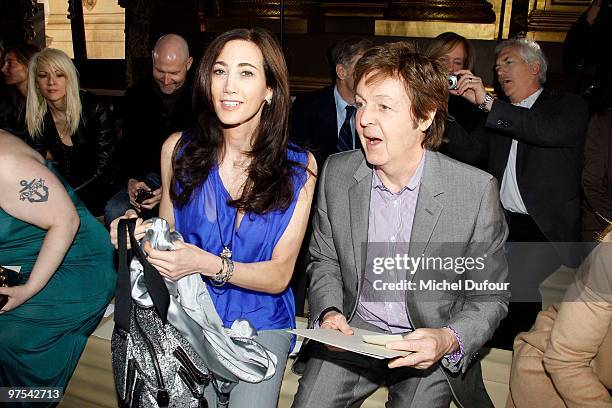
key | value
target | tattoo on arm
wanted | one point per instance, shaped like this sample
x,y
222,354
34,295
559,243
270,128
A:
x,y
34,191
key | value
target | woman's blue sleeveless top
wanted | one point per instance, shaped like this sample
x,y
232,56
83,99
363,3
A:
x,y
253,241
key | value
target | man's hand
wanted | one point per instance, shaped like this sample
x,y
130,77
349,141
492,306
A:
x,y
470,87
133,187
336,321
150,203
428,347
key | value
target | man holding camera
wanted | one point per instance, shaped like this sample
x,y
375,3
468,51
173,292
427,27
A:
x,y
533,146
153,109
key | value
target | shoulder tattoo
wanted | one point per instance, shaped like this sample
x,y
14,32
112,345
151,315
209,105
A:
x,y
34,191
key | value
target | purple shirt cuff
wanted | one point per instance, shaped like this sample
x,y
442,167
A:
x,y
455,357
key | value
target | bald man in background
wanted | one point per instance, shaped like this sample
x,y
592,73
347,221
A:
x,y
153,109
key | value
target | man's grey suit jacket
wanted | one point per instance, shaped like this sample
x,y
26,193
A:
x,y
457,203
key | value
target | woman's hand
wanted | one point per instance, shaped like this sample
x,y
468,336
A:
x,y
186,259
17,295
139,231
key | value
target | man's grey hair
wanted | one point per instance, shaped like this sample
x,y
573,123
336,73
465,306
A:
x,y
345,50
530,52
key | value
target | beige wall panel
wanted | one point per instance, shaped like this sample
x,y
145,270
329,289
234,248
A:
x,y
104,29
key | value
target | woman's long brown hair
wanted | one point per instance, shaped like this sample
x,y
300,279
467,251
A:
x,y
269,183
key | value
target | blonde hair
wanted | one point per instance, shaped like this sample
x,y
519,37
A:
x,y
37,105
445,42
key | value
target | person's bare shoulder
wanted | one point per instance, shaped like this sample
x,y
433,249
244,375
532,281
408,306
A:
x,y
170,145
14,151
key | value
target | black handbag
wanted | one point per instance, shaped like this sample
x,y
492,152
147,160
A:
x,y
169,343
8,277
153,364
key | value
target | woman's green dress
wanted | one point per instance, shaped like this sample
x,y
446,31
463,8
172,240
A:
x,y
41,340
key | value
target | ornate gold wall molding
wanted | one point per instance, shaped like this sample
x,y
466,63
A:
x,y
374,9
438,23
226,14
468,11
549,20
269,8
475,19
90,4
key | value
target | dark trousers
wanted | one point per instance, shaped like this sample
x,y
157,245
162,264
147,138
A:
x,y
531,259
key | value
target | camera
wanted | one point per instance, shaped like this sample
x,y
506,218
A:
x,y
452,81
143,195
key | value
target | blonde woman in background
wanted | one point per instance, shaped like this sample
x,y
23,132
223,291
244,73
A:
x,y
454,52
74,127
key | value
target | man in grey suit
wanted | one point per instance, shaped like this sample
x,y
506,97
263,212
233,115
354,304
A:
x,y
405,202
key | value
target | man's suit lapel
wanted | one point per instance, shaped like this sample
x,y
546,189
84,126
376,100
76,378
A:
x,y
428,208
520,147
329,124
359,208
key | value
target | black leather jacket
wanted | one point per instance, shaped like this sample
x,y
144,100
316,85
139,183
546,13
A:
x,y
12,113
87,164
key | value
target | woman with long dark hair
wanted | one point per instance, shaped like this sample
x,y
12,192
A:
x,y
240,195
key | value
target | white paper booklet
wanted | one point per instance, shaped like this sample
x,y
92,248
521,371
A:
x,y
354,343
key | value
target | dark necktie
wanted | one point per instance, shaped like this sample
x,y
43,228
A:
x,y
346,136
